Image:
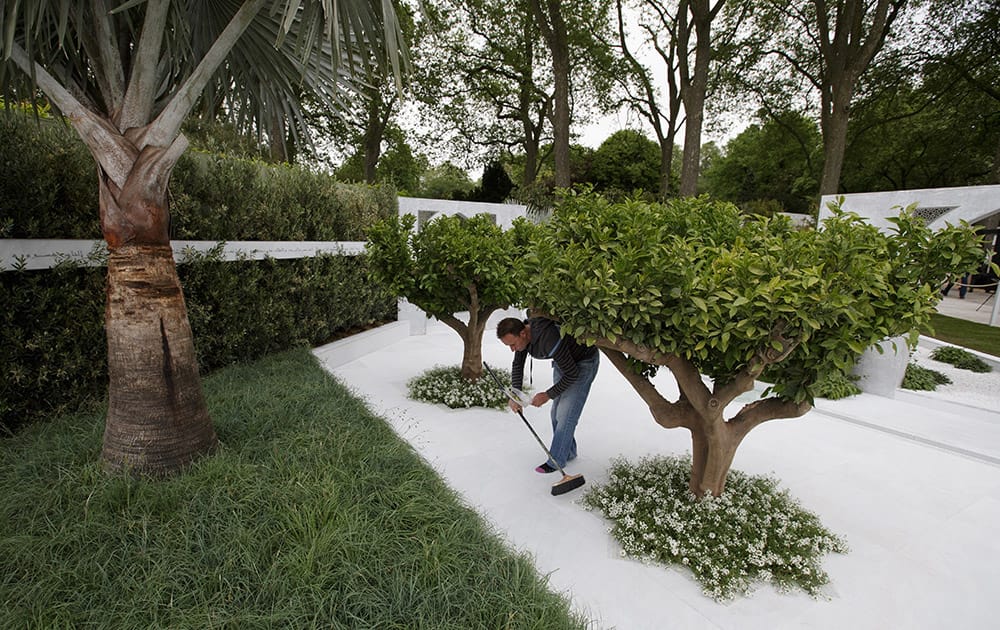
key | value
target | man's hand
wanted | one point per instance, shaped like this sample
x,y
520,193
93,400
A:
x,y
539,399
515,407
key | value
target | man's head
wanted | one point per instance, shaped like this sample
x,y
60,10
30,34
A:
x,y
514,333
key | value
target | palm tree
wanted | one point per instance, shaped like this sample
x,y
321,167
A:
x,y
126,74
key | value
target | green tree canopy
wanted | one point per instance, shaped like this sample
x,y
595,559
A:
x,y
627,161
697,287
778,160
452,265
933,132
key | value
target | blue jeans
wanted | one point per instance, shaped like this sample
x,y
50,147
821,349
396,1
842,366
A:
x,y
566,410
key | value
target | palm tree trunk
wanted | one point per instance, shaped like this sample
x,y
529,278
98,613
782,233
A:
x,y
157,417
157,420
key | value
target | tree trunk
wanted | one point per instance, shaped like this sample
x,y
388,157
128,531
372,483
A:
x,y
553,27
374,132
157,416
714,439
666,157
711,458
525,98
694,85
834,139
847,50
472,354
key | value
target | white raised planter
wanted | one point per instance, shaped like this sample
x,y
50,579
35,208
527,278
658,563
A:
x,y
881,373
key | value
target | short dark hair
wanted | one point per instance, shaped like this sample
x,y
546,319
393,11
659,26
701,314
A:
x,y
509,326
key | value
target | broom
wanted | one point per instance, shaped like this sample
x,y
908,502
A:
x,y
568,483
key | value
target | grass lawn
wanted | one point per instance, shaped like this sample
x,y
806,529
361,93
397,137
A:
x,y
312,514
960,332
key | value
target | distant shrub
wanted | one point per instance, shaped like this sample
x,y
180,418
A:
x,y
960,358
923,379
837,386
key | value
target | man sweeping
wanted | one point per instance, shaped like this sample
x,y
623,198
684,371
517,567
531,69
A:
x,y
574,367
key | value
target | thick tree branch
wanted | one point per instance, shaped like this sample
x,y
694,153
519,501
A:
x,y
142,83
688,377
115,155
760,411
455,324
665,413
765,356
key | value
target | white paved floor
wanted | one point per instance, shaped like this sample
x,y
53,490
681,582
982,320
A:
x,y
912,482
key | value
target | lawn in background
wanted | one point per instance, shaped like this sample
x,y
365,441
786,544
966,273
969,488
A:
x,y
971,335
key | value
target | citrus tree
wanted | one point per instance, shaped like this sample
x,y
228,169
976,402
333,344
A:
x,y
126,75
452,265
719,298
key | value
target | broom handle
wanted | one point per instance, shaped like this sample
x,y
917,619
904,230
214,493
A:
x,y
542,444
526,423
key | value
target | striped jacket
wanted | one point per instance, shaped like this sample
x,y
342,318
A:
x,y
547,343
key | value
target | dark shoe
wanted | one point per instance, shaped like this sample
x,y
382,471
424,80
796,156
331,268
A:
x,y
545,469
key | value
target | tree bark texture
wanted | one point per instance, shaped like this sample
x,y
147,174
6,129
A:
x,y
553,27
158,420
694,86
472,341
714,439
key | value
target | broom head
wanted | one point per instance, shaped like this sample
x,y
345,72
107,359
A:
x,y
567,484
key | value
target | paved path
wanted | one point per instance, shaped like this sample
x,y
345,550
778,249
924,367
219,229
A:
x,y
913,483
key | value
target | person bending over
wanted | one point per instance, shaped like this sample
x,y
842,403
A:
x,y
574,367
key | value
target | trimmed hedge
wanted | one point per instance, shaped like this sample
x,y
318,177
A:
x,y
49,183
49,190
53,351
226,198
52,344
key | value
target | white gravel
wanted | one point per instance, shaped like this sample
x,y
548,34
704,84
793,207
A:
x,y
967,387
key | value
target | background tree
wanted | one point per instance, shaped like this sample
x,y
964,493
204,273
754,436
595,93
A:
x,y
693,42
483,84
576,35
549,17
488,87
702,290
126,77
830,45
933,132
964,42
777,160
625,163
693,60
365,128
495,185
638,85
396,164
452,265
445,181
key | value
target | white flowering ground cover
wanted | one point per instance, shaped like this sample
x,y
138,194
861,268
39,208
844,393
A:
x,y
444,384
753,533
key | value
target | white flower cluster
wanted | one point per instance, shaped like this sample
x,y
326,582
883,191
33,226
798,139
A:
x,y
753,532
444,384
